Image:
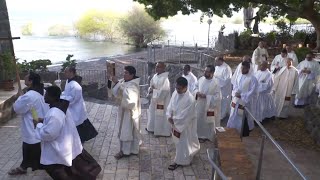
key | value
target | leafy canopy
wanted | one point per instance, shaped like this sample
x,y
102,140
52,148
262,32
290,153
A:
x,y
290,8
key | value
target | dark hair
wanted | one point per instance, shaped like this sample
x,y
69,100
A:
x,y
34,78
181,81
72,69
187,66
284,51
220,58
131,70
246,64
36,82
54,92
211,67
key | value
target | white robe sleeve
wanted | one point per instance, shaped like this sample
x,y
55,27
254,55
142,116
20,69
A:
x,y
255,56
21,104
51,130
196,88
116,89
273,64
252,89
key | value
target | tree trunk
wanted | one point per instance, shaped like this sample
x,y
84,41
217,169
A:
x,y
315,21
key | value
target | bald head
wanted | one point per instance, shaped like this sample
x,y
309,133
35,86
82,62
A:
x,y
261,44
264,66
160,67
246,58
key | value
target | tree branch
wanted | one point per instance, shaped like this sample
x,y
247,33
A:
x,y
281,5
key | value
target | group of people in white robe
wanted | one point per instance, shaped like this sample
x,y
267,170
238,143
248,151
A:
x,y
191,114
54,125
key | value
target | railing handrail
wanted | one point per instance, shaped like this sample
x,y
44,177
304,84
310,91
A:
x,y
277,145
215,166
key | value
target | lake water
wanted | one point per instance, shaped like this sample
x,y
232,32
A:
x,y
57,48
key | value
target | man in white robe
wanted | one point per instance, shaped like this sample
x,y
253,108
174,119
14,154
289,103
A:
x,y
308,74
192,79
160,91
62,154
259,55
181,116
285,84
243,95
127,90
223,73
279,61
208,104
265,103
30,105
237,72
292,55
73,93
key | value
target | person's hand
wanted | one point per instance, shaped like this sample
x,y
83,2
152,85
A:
x,y
20,93
35,123
170,120
201,95
114,79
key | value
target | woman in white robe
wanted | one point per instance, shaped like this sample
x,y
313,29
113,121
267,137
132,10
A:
x,y
181,116
63,156
127,90
27,105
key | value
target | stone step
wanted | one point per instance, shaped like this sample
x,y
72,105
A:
x,y
235,162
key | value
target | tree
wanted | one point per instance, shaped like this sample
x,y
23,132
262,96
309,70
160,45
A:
x,y
141,27
59,30
26,29
68,62
98,23
291,9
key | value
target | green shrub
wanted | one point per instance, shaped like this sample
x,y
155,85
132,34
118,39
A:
x,y
8,66
68,62
302,52
245,38
300,35
34,65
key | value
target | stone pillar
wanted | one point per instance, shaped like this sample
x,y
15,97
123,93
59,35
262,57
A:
x,y
5,45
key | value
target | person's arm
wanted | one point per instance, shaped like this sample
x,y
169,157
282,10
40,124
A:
x,y
245,97
21,106
50,130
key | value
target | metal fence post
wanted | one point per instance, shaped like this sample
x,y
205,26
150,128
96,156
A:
x,y
260,157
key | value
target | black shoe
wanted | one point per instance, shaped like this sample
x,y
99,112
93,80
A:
x,y
148,131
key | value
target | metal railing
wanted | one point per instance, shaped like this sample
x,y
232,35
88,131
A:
x,y
93,76
268,135
181,55
215,163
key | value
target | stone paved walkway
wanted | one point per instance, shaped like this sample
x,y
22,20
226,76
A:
x,y
152,162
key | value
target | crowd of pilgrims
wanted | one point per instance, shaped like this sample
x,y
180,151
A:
x,y
53,140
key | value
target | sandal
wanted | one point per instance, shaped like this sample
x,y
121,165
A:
x,y
17,171
173,166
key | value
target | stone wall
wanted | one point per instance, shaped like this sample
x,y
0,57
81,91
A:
x,y
312,118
